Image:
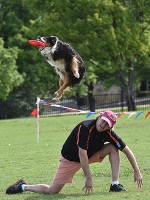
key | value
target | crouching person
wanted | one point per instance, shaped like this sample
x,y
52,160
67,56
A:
x,y
89,142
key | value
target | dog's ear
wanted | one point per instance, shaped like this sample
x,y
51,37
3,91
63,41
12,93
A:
x,y
51,40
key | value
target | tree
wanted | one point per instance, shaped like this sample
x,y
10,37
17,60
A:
x,y
130,25
113,39
9,76
111,36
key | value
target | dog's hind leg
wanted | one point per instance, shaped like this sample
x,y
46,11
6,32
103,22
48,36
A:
x,y
65,83
75,67
61,82
57,96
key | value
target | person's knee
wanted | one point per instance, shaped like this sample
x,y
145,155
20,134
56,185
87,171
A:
x,y
113,149
53,192
55,189
114,155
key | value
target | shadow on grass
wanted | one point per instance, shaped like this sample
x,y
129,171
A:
x,y
52,197
73,196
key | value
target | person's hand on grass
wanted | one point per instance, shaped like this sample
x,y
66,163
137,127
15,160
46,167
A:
x,y
138,178
88,188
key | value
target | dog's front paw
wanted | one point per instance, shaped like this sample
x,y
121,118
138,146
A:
x,y
77,75
55,99
57,96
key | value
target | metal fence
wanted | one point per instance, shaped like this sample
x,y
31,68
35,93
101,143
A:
x,y
16,108
102,102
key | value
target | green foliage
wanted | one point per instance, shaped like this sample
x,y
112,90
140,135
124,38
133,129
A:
x,y
21,157
9,76
111,36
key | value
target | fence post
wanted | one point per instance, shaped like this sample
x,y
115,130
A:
x,y
122,100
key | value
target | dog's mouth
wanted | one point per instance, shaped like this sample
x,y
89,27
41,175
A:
x,y
43,40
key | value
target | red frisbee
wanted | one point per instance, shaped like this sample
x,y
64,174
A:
x,y
36,43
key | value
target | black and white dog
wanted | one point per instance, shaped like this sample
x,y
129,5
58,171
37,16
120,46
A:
x,y
67,63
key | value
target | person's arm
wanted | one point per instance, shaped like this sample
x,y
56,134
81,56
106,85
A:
x,y
137,174
85,166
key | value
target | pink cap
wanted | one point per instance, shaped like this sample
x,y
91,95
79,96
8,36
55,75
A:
x,y
109,117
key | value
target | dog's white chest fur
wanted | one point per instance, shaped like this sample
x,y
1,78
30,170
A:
x,y
58,64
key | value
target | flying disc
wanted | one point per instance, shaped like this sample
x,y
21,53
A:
x,y
36,43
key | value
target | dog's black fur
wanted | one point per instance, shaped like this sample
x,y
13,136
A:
x,y
67,62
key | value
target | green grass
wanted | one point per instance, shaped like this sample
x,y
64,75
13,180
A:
x,y
21,156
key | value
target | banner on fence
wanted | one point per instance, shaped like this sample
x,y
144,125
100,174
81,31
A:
x,y
35,112
122,113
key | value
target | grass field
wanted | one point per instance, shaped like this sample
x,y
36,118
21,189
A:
x,y
21,156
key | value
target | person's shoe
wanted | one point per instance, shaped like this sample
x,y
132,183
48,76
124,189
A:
x,y
16,187
117,188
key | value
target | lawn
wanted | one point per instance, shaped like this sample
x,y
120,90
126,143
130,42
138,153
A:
x,y
21,157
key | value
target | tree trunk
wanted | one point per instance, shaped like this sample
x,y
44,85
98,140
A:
x,y
130,100
91,98
128,87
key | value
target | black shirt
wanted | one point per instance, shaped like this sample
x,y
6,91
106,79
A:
x,y
86,136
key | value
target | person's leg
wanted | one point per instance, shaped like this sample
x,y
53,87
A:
x,y
64,174
21,186
114,159
43,188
